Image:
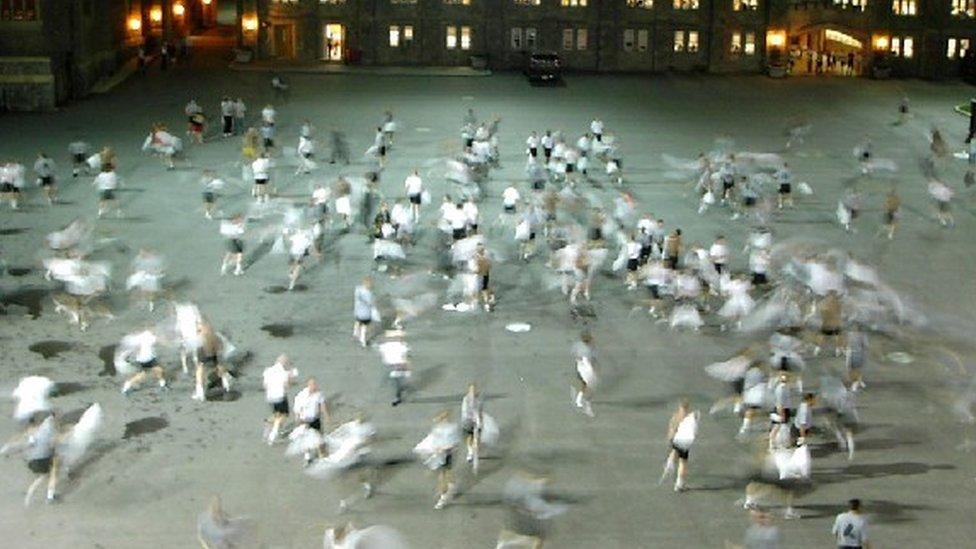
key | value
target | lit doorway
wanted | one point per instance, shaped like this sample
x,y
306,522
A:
x,y
334,42
826,51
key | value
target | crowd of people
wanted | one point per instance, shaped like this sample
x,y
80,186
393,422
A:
x,y
810,311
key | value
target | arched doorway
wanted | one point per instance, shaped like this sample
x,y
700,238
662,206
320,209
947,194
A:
x,y
828,50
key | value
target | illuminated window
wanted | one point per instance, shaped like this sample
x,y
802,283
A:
x,y
686,41
686,4
333,2
745,5
407,34
572,4
451,37
394,36
956,48
904,7
18,10
903,46
527,2
403,1
854,5
963,8
749,48
645,4
517,38
530,38
574,39
735,47
628,39
465,38
642,40
458,2
635,40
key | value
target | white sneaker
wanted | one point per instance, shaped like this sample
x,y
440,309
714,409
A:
x,y
441,502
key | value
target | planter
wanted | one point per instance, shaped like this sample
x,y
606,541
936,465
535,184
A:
x,y
479,62
776,71
243,55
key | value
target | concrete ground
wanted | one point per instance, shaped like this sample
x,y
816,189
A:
x,y
161,456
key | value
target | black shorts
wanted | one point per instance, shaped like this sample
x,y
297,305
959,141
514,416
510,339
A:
x,y
719,267
671,261
468,427
547,152
364,320
308,156
149,364
41,466
538,185
468,141
749,201
596,233
415,199
107,194
570,168
533,152
484,282
208,197
682,453
785,188
7,188
889,218
80,158
209,360
759,279
459,234
632,264
830,331
235,246
382,151
47,181
655,291
268,143
448,460
260,181
280,407
315,424
727,185
943,206
509,209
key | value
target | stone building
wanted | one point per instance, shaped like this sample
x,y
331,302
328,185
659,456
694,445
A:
x,y
926,38
55,50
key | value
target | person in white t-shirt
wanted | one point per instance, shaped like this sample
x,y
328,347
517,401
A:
x,y
471,215
261,168
310,409
276,379
596,128
851,528
510,198
395,354
107,182
718,253
141,349
227,108
532,145
414,186
299,247
233,230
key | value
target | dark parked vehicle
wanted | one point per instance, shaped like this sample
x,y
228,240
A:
x,y
544,67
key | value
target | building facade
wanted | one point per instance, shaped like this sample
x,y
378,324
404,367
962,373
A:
x,y
926,38
55,50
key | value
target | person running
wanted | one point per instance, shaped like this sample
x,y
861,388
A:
x,y
472,417
850,528
208,354
227,109
311,408
107,182
437,449
395,354
233,231
79,157
682,429
276,379
363,310
44,168
261,168
141,348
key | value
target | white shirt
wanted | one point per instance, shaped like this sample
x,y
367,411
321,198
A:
x,y
471,213
146,351
583,144
414,184
261,167
268,115
547,141
300,242
308,405
532,142
457,218
393,352
106,181
240,109
320,195
633,249
227,108
231,229
596,127
719,253
510,196
305,145
275,379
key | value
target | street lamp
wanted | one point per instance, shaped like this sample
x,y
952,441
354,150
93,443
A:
x,y
249,23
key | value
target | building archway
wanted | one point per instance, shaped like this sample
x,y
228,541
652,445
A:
x,y
828,50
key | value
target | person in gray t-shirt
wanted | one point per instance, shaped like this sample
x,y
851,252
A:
x,y
363,305
851,528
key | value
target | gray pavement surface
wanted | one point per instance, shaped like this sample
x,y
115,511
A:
x,y
914,468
